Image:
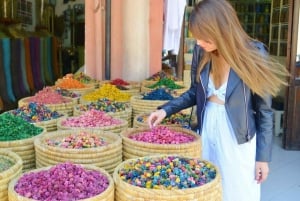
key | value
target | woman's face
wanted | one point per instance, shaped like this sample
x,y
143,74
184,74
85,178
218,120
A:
x,y
207,45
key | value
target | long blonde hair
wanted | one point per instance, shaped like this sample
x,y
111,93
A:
x,y
217,21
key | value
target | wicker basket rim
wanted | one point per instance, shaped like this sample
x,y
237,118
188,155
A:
x,y
17,162
110,187
123,124
7,144
117,179
129,131
114,139
69,101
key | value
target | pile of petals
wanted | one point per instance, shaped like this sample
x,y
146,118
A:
x,y
15,128
63,182
104,105
67,93
162,135
169,172
108,91
35,112
92,118
177,119
48,96
68,82
78,141
165,82
119,81
5,164
158,94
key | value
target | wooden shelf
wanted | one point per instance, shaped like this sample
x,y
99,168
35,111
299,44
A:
x,y
279,28
254,17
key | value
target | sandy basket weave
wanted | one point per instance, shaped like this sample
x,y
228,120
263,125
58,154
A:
x,y
135,149
106,157
87,89
24,148
140,106
115,128
9,174
65,108
107,195
50,125
124,191
126,114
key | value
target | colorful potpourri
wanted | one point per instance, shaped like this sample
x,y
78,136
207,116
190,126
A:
x,y
83,78
35,112
68,82
119,82
165,82
91,119
108,91
169,172
104,105
48,96
67,93
78,141
158,94
5,164
63,182
16,128
162,135
160,75
177,119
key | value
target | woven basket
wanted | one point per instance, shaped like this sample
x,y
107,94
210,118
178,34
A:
x,y
144,116
107,195
106,157
126,114
135,149
140,106
49,125
24,148
9,174
124,191
65,108
115,128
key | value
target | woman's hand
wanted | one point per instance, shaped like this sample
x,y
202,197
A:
x,y
156,117
261,171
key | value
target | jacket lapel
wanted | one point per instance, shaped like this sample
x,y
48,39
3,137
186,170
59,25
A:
x,y
205,75
233,81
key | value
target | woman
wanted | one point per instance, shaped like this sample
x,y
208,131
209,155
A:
x,y
233,80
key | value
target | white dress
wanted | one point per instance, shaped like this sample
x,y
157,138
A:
x,y
235,162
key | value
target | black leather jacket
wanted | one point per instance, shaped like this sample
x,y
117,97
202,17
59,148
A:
x,y
249,113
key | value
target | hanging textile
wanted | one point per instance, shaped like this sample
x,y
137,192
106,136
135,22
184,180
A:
x,y
15,67
3,79
56,69
29,74
7,71
173,18
23,66
36,63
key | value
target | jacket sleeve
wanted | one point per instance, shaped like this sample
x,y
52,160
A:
x,y
188,98
263,120
264,127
